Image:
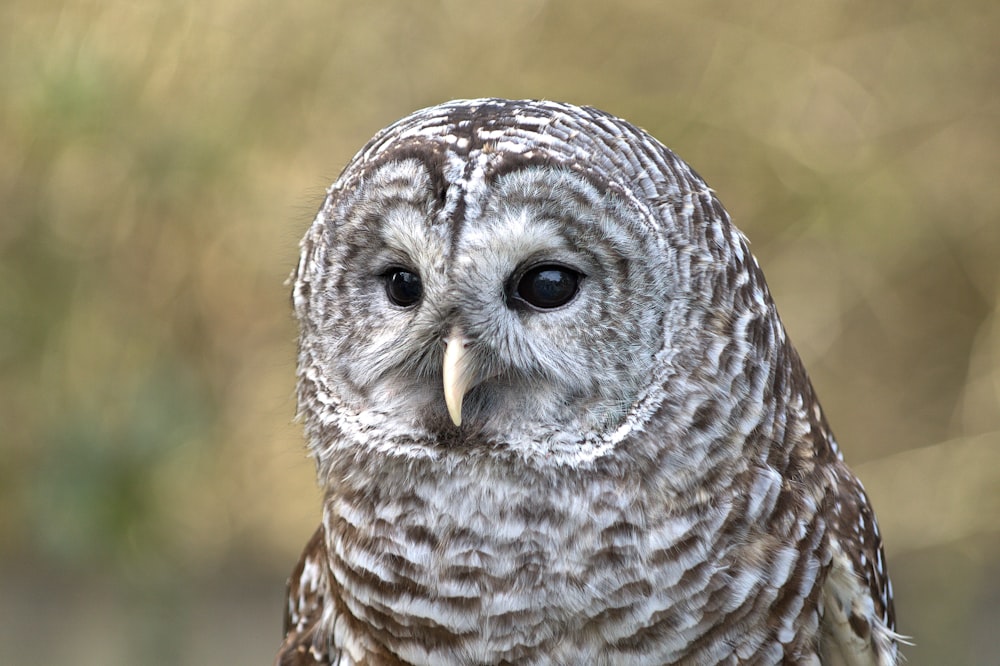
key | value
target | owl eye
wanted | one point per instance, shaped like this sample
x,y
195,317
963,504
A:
x,y
403,287
547,286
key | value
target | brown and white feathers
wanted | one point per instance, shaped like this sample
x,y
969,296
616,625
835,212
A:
x,y
556,417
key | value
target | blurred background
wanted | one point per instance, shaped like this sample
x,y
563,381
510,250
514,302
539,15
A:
x,y
160,160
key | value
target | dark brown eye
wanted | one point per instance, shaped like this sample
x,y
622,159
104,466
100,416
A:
x,y
403,287
548,286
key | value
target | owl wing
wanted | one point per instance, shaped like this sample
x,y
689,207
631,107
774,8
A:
x,y
307,599
859,624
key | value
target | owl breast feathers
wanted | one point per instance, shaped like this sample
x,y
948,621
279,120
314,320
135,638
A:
x,y
556,417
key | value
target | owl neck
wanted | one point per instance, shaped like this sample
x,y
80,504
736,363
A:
x,y
443,554
458,561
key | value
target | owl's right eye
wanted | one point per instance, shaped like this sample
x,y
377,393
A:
x,y
403,287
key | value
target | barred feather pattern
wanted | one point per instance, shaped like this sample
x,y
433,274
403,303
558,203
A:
x,y
641,476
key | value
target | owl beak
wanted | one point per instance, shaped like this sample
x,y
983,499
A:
x,y
457,376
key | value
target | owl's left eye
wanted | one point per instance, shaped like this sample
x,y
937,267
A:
x,y
547,286
403,287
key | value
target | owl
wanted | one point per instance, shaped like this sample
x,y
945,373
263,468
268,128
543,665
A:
x,y
556,418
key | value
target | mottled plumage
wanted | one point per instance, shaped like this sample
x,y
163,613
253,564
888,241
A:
x,y
556,417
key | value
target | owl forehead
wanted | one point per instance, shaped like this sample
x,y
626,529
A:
x,y
497,223
504,129
467,145
458,182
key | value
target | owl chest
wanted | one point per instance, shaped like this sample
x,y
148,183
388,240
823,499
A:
x,y
461,572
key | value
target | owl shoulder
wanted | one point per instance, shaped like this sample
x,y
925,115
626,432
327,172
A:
x,y
307,597
858,626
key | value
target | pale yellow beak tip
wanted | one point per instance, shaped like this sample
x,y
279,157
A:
x,y
455,411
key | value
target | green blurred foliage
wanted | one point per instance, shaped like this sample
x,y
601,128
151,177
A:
x,y
159,160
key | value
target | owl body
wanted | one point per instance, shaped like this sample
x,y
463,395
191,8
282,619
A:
x,y
556,417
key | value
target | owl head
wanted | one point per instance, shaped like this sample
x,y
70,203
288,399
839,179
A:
x,y
522,277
